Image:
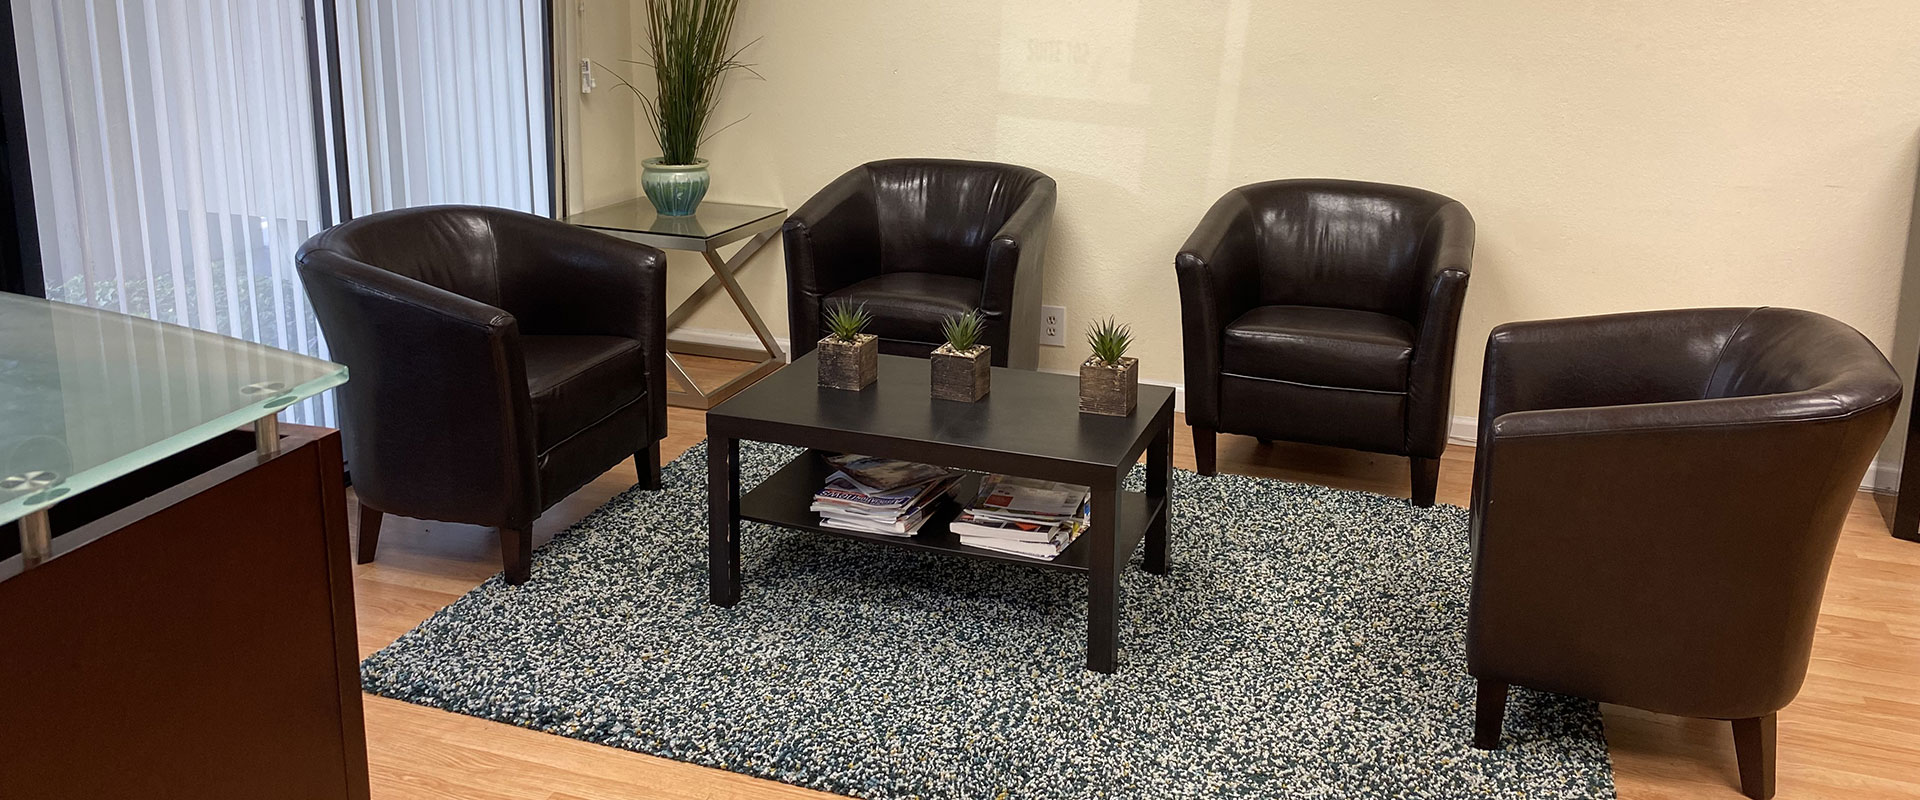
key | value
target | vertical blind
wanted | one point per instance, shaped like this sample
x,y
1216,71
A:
x,y
178,162
445,103
170,161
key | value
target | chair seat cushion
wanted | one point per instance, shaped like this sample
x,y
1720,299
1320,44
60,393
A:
x,y
1333,347
909,306
577,381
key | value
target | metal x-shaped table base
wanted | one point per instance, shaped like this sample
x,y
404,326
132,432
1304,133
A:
x,y
768,357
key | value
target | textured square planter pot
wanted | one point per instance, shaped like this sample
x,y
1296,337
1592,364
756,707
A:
x,y
1109,390
962,376
849,365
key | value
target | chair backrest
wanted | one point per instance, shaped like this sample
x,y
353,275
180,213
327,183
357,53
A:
x,y
1664,543
447,247
1342,244
1781,351
939,215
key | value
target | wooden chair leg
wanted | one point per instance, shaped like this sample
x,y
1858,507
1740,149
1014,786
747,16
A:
x,y
1426,480
1753,745
1203,450
369,533
516,550
1489,710
647,463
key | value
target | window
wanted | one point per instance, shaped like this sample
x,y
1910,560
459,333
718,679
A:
x,y
182,150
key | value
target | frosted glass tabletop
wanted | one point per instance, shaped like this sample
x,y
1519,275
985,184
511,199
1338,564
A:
x,y
88,395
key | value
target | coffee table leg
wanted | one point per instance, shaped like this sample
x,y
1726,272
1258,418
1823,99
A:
x,y
723,521
1159,494
1103,582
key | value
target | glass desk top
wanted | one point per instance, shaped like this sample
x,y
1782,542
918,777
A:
x,y
88,395
711,225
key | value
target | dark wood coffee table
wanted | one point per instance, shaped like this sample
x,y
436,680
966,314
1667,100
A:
x,y
1029,425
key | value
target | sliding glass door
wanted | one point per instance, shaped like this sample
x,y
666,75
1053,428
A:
x,y
446,102
182,150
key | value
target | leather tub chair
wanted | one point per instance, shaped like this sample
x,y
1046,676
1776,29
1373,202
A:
x,y
1656,501
500,361
917,240
1325,311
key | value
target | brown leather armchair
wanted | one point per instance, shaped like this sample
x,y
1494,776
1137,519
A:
x,y
917,240
1325,311
1656,501
500,361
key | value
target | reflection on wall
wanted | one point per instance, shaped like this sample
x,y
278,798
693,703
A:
x,y
1071,51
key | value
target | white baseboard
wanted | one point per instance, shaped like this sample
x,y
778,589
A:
x,y
1463,430
1882,476
720,338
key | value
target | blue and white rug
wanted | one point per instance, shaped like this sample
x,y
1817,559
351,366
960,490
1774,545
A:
x,y
1308,644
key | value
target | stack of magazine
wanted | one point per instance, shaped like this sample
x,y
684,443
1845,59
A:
x,y
1024,516
880,495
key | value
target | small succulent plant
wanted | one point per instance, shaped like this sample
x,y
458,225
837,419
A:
x,y
1109,340
963,331
846,321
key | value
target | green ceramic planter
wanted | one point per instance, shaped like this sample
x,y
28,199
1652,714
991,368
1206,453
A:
x,y
675,189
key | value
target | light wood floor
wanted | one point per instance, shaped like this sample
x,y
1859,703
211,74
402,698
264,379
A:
x,y
1853,733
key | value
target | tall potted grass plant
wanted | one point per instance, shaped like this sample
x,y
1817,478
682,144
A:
x,y
687,48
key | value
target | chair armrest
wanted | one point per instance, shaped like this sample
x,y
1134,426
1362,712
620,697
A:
x,y
1446,255
832,242
437,419
1430,376
1219,273
1726,413
563,279
1015,269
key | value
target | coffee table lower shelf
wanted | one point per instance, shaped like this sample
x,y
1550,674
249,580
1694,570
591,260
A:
x,y
783,499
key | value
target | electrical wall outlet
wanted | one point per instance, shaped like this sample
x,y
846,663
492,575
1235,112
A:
x,y
1053,325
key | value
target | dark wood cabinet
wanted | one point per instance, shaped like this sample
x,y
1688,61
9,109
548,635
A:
x,y
192,637
1906,508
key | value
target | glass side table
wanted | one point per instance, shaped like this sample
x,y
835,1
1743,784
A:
x,y
87,396
712,226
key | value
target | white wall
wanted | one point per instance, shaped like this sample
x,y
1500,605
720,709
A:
x,y
1616,155
602,145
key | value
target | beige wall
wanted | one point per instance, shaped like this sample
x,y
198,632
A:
x,y
1616,155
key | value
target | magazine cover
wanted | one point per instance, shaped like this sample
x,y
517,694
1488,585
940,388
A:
x,y
1028,496
883,474
843,490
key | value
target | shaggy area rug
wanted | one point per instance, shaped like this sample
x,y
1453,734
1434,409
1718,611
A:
x,y
1307,644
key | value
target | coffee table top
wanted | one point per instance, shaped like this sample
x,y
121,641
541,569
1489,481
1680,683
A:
x,y
1028,424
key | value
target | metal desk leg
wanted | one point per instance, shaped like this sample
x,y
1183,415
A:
x,y
266,434
36,529
36,538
